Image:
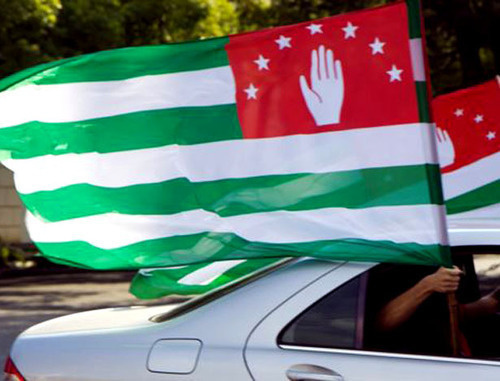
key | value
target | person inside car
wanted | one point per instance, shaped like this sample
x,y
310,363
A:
x,y
407,309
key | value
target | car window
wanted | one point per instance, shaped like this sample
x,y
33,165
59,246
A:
x,y
482,331
488,272
331,322
425,329
349,316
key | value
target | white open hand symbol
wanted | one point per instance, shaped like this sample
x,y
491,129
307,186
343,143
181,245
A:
x,y
445,147
325,96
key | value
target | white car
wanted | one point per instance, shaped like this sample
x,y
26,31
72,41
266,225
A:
x,y
305,319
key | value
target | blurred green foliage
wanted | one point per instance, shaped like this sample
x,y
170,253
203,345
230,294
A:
x,y
463,36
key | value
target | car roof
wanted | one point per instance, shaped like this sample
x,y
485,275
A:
x,y
481,232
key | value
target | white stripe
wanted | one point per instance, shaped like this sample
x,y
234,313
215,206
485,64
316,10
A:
x,y
87,100
208,274
149,272
472,176
417,59
490,212
317,153
399,224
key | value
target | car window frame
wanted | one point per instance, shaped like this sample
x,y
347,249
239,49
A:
x,y
363,280
459,250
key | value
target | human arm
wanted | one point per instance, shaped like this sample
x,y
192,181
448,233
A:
x,y
401,308
487,305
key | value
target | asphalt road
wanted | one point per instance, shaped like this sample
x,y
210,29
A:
x,y
28,300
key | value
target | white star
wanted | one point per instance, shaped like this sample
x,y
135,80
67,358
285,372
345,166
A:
x,y
491,135
350,30
459,112
315,28
377,46
479,118
395,73
262,62
283,42
251,91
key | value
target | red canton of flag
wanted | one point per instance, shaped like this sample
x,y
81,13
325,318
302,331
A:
x,y
365,55
468,124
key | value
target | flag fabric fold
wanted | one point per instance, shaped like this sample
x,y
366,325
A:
x,y
311,139
195,279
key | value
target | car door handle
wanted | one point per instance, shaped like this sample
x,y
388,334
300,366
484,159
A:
x,y
307,372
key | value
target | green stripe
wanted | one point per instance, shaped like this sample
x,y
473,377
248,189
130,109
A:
x,y
157,283
407,185
415,31
435,187
22,75
147,129
119,64
209,247
423,104
414,19
478,198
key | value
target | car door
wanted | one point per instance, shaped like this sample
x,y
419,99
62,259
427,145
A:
x,y
318,335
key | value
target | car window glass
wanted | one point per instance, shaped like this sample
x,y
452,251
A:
x,y
330,322
480,325
427,330
348,317
488,272
424,330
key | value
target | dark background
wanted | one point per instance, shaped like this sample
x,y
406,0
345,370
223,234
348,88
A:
x,y
463,36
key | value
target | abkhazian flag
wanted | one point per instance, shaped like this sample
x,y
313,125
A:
x,y
468,129
311,139
196,279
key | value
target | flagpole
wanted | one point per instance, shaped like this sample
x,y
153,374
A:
x,y
454,328
416,18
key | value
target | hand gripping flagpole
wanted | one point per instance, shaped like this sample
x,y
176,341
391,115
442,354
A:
x,y
422,83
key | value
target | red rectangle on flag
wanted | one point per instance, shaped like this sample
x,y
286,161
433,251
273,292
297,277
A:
x,y
337,73
467,125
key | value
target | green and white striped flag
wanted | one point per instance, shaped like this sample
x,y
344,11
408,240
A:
x,y
469,147
310,139
195,279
